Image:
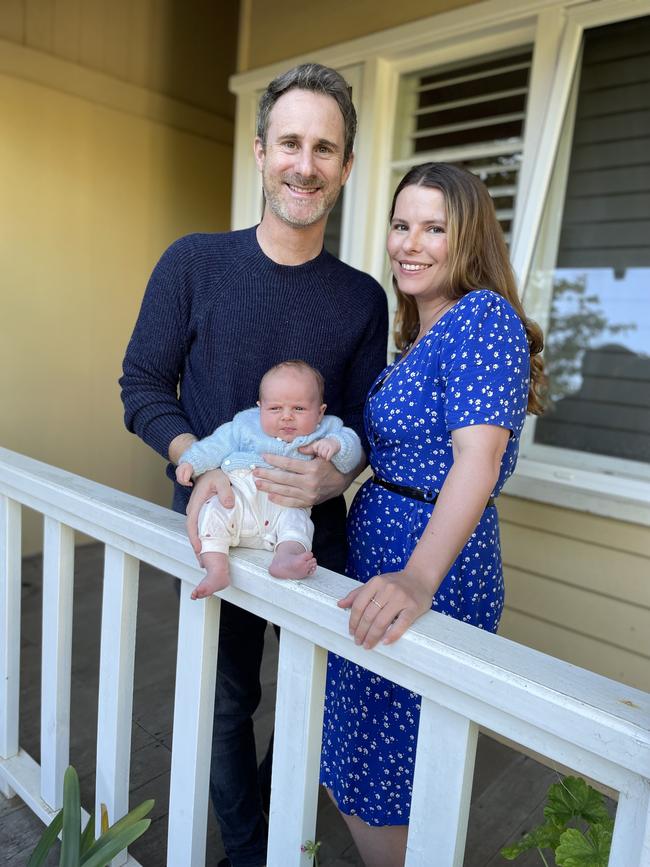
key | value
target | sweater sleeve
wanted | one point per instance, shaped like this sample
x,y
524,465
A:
x,y
210,452
368,361
155,356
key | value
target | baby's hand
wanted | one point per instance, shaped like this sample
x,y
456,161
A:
x,y
326,448
184,473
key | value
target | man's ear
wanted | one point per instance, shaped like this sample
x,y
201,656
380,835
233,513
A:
x,y
347,168
259,152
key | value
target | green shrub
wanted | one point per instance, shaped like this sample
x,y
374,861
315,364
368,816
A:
x,y
80,847
571,800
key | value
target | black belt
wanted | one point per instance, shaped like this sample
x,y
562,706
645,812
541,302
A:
x,y
414,493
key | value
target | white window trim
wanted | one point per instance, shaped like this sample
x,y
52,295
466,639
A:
x,y
607,487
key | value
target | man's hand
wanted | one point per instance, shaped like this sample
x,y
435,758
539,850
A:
x,y
214,482
301,484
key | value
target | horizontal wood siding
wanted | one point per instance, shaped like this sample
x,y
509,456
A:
x,y
185,51
578,587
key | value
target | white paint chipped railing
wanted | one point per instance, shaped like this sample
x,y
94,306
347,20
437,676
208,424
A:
x,y
467,678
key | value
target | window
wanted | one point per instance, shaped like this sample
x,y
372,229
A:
x,y
592,264
472,115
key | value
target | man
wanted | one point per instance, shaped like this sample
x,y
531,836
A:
x,y
218,312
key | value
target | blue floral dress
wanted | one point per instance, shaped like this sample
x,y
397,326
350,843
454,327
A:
x,y
472,367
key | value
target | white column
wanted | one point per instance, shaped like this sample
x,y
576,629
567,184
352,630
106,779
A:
x,y
296,748
115,706
58,569
10,541
442,787
631,840
196,669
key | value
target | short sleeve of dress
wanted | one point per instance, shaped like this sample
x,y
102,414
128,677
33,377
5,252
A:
x,y
485,364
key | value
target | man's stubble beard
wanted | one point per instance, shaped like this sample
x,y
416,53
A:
x,y
315,211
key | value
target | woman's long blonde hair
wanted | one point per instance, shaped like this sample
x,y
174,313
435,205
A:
x,y
477,259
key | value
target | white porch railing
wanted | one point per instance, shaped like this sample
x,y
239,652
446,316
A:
x,y
467,679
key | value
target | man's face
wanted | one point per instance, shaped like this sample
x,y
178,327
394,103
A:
x,y
302,162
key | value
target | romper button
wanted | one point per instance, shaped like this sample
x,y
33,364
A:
x,y
226,462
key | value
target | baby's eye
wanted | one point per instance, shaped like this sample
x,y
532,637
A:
x,y
299,408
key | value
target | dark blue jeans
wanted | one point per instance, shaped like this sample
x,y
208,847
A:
x,y
234,781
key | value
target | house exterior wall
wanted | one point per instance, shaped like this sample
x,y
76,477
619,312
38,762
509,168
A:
x,y
106,157
274,31
577,583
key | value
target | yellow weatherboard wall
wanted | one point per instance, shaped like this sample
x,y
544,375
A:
x,y
271,32
91,196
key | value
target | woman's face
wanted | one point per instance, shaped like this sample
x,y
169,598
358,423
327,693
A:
x,y
417,243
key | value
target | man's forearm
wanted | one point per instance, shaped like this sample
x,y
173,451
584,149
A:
x,y
179,445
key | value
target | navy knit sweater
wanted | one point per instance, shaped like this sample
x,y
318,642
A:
x,y
218,313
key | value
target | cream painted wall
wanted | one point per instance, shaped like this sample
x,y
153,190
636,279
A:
x,y
90,198
270,32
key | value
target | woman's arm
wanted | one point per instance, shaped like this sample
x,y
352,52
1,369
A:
x,y
388,604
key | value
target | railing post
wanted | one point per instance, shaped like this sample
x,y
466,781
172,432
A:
x,y
196,670
115,705
58,576
302,669
442,787
631,840
10,542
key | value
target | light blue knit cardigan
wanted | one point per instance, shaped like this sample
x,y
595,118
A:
x,y
239,444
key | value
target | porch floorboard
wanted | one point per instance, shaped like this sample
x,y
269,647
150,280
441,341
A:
x,y
508,793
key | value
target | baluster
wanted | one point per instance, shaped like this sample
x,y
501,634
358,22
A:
x,y
631,840
58,577
196,669
302,670
115,706
10,542
442,786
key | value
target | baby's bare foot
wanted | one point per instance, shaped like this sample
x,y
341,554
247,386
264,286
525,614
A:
x,y
217,575
292,564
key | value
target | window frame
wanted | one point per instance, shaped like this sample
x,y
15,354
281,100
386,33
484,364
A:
x,y
373,64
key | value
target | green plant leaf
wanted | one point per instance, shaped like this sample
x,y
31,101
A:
x,y
572,798
125,822
546,836
107,849
71,835
88,836
579,850
46,842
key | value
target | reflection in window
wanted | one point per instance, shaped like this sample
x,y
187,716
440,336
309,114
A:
x,y
598,332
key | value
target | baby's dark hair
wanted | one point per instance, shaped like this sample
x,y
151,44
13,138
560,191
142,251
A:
x,y
300,367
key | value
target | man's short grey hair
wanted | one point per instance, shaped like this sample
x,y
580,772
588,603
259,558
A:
x,y
317,79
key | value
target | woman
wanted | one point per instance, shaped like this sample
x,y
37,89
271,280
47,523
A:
x,y
443,423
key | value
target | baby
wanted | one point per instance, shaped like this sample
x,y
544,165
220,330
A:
x,y
290,414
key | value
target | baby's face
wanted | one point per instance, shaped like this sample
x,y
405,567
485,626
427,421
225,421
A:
x,y
290,405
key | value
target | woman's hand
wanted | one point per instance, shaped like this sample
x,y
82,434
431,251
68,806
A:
x,y
385,607
214,482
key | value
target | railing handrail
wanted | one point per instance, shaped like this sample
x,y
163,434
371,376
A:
x,y
156,535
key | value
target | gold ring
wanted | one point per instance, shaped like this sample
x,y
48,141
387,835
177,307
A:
x,y
374,602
